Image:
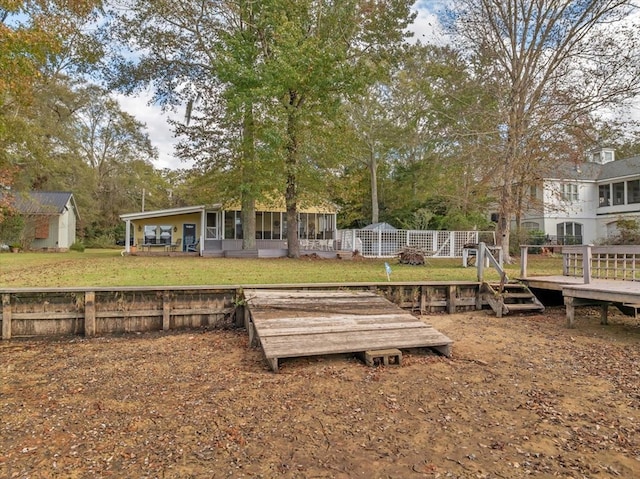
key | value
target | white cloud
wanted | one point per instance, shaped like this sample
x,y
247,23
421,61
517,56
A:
x,y
157,124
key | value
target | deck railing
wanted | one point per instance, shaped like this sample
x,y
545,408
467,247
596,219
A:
x,y
602,262
621,262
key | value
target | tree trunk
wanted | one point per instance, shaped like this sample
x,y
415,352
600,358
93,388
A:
x,y
248,202
373,168
291,194
248,218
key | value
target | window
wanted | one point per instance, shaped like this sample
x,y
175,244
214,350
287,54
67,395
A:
x,y
530,226
569,233
212,225
633,191
618,193
569,191
232,225
154,234
604,192
275,226
608,156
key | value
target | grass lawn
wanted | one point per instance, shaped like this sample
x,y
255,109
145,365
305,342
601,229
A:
x,y
105,267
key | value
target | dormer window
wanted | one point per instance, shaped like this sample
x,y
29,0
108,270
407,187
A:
x,y
607,156
602,155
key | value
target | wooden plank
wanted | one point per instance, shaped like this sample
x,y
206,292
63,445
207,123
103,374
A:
x,y
166,311
328,320
308,329
90,313
6,316
311,345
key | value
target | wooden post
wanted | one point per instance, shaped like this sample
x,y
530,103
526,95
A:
x,y
524,256
571,311
604,313
480,261
166,311
89,313
423,299
586,264
452,303
6,316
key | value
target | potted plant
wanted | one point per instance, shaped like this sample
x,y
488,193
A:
x,y
15,247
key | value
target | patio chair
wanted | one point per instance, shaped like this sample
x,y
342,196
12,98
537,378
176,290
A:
x,y
176,246
193,248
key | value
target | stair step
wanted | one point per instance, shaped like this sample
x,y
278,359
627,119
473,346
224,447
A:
x,y
517,295
524,307
518,286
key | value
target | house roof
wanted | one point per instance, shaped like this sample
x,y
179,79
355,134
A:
x,y
620,168
44,202
589,171
168,212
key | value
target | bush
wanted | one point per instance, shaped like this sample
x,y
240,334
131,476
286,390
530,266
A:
x,y
77,246
102,241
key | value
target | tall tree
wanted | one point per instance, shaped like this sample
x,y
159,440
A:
x,y
282,67
35,35
548,63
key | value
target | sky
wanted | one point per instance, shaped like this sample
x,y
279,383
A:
x,y
156,120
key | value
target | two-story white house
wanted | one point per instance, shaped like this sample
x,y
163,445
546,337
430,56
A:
x,y
581,204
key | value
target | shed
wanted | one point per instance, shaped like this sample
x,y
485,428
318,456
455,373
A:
x,y
50,219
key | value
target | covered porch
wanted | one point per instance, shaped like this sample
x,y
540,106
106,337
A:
x,y
210,230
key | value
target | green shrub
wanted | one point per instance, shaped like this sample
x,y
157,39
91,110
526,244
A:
x,y
102,241
77,246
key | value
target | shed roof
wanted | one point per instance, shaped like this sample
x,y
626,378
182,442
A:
x,y
43,202
380,227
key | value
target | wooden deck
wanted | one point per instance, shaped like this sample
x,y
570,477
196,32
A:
x,y
308,323
601,292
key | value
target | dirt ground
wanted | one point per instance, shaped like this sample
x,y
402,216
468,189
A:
x,y
520,397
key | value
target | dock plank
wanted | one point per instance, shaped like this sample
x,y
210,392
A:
x,y
307,323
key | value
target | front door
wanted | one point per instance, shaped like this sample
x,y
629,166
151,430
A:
x,y
188,235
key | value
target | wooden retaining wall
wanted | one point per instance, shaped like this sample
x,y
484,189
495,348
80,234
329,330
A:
x,y
99,311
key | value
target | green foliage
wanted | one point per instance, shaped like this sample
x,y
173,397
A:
x,y
628,232
101,241
11,229
77,246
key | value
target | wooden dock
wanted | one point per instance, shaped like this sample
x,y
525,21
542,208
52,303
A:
x,y
599,292
290,323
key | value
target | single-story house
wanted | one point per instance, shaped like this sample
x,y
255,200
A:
x,y
211,230
50,219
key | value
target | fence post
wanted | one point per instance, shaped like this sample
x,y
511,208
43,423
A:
x,y
379,243
6,316
452,244
166,311
524,256
586,263
89,313
480,261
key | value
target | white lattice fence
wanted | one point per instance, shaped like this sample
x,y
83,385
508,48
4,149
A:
x,y
387,243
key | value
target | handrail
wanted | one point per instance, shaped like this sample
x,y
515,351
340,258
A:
x,y
485,254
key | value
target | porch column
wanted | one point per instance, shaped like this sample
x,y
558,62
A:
x,y
127,235
203,229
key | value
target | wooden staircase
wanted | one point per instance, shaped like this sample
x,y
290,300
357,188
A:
x,y
510,297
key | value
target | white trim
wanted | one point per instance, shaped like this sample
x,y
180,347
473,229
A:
x,y
169,212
